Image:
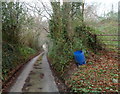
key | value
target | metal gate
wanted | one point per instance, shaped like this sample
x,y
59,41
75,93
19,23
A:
x,y
113,43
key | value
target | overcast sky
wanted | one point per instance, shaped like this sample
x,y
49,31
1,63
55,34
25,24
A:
x,y
104,5
87,1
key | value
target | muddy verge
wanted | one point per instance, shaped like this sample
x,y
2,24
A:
x,y
60,81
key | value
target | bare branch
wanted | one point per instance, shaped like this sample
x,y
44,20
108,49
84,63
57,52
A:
x,y
46,9
46,30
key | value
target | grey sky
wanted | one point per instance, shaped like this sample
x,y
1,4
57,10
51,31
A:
x,y
103,5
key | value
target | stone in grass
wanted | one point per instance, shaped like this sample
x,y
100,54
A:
x,y
115,80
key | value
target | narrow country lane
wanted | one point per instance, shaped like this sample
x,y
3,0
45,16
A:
x,y
18,85
39,75
40,79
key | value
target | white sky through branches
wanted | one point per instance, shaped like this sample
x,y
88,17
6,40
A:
x,y
103,5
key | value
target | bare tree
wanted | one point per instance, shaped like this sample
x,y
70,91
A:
x,y
90,12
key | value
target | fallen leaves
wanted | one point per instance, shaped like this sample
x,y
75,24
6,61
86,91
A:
x,y
99,74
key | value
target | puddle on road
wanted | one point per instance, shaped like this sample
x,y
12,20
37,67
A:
x,y
37,68
39,88
21,79
34,78
31,73
41,75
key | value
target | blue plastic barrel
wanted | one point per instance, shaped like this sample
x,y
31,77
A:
x,y
79,57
